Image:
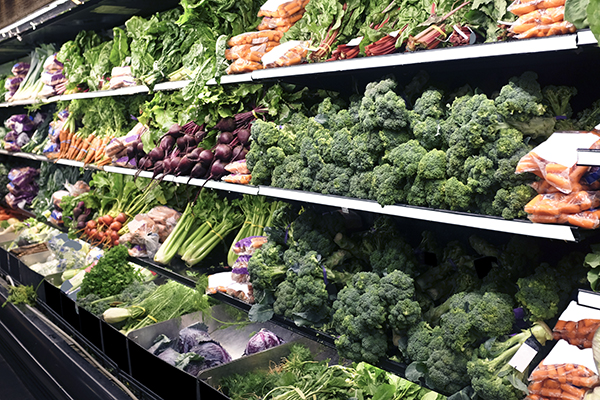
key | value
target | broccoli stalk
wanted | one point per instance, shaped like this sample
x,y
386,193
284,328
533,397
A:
x,y
491,378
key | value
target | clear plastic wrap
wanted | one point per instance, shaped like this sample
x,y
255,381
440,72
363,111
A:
x,y
51,64
280,24
519,7
237,167
289,53
20,69
538,17
247,246
254,38
557,28
241,66
559,203
249,52
241,179
239,270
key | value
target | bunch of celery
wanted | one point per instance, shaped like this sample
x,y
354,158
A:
x,y
258,213
201,227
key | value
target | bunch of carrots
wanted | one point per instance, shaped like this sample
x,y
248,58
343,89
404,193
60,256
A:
x,y
560,381
74,146
539,18
564,196
578,333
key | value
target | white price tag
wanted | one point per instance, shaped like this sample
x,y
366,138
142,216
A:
x,y
589,299
395,33
345,210
355,41
523,357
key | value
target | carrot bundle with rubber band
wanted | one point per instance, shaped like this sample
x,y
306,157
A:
x,y
85,147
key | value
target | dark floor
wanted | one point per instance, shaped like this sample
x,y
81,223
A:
x,y
11,387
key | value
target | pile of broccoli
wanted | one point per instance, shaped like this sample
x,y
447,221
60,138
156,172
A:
x,y
446,153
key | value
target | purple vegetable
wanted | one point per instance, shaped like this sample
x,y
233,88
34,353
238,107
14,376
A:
x,y
169,355
181,143
185,166
198,171
262,340
206,157
226,124
243,135
214,354
156,154
192,336
223,152
174,131
166,143
225,137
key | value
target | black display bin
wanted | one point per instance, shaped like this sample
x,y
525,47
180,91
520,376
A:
x,y
13,267
115,345
162,378
4,261
53,295
70,311
32,278
90,327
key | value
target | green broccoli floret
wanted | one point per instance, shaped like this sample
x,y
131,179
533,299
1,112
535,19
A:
x,y
291,174
432,165
288,141
361,185
386,186
479,173
420,339
430,105
340,146
313,231
366,150
406,158
394,254
458,196
382,108
429,133
426,193
521,98
397,291
266,268
344,119
447,370
332,179
491,374
509,203
265,134
538,294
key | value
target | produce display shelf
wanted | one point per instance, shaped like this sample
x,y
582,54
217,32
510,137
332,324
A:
x,y
588,157
485,222
497,224
585,37
28,156
478,51
32,20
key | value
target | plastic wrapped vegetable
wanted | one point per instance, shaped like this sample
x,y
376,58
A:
x,y
262,340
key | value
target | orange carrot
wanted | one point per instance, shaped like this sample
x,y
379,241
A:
x,y
577,173
586,220
559,181
87,142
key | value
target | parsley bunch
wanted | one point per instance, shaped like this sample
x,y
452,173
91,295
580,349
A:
x,y
110,276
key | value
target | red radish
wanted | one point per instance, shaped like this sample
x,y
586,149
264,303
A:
x,y
116,226
121,218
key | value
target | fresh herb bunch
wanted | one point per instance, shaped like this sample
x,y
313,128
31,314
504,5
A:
x,y
110,276
21,295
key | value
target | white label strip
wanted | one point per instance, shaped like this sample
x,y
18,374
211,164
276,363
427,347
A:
x,y
589,299
523,357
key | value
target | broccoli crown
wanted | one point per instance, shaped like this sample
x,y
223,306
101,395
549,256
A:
x,y
590,117
521,98
265,134
474,120
538,294
331,179
447,370
395,254
361,185
386,184
432,165
288,141
266,268
510,203
406,158
291,174
366,150
382,108
315,231
429,105
479,173
420,341
458,196
429,133
341,145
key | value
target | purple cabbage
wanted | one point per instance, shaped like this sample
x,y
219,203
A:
x,y
192,336
170,356
262,340
213,353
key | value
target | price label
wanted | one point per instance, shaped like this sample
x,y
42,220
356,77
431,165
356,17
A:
x,y
345,210
395,33
523,357
355,41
